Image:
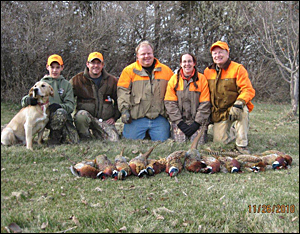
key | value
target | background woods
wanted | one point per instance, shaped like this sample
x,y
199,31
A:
x,y
263,36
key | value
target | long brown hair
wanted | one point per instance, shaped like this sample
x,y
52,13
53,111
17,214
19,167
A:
x,y
194,77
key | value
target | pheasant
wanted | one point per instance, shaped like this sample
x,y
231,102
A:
x,y
277,159
105,166
156,166
85,168
251,163
105,130
174,162
122,167
212,165
193,161
229,164
139,163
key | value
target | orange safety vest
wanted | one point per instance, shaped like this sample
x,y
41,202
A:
x,y
230,84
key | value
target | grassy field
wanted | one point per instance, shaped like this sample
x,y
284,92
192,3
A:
x,y
39,193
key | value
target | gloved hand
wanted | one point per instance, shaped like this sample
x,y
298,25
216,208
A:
x,y
183,127
31,101
126,118
192,129
236,110
54,106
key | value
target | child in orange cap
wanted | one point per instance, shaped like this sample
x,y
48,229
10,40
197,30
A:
x,y
62,104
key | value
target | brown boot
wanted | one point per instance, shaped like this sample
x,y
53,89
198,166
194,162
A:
x,y
243,149
85,137
54,137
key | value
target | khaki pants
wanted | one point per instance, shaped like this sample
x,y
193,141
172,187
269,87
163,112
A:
x,y
226,131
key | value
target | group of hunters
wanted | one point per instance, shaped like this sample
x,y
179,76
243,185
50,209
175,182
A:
x,y
151,100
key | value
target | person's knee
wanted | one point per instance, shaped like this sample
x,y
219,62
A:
x,y
81,118
131,132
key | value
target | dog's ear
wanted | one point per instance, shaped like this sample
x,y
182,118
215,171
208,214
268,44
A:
x,y
31,92
51,91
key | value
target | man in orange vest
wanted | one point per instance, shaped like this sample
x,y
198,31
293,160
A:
x,y
141,90
231,94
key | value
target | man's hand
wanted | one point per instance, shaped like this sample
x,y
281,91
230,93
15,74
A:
x,y
110,121
53,107
236,111
126,118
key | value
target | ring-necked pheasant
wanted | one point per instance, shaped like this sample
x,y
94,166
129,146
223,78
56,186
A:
x,y
122,167
212,164
139,163
266,160
156,166
277,159
229,164
193,161
251,163
85,169
175,162
105,166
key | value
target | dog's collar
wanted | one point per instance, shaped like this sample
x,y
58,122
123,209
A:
x,y
43,104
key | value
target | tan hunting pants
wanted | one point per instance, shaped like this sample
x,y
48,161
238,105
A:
x,y
226,131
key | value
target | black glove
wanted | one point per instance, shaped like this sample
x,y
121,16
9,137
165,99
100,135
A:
x,y
126,118
53,107
31,101
192,129
183,127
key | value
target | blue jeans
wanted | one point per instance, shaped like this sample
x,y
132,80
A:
x,y
159,129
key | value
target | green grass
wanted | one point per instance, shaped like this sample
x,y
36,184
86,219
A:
x,y
38,188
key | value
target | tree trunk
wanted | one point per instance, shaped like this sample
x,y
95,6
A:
x,y
295,93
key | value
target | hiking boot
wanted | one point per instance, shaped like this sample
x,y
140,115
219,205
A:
x,y
243,149
85,137
54,137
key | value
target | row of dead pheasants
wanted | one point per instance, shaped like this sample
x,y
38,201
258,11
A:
x,y
192,160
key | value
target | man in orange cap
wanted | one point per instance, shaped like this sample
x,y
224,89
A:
x,y
62,104
231,94
96,93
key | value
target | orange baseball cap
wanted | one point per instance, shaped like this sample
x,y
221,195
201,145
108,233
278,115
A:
x,y
55,58
95,55
223,45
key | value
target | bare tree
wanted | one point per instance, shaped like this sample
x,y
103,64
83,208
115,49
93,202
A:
x,y
31,31
276,26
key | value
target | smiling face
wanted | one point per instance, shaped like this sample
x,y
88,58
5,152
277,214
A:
x,y
219,56
54,69
187,64
145,55
95,68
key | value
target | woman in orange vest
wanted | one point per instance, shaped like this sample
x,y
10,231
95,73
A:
x,y
187,101
231,94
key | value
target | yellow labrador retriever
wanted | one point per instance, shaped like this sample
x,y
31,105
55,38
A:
x,y
31,119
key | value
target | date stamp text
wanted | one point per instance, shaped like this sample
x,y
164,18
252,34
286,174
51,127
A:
x,y
265,208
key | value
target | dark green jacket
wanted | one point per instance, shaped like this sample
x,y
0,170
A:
x,y
63,94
